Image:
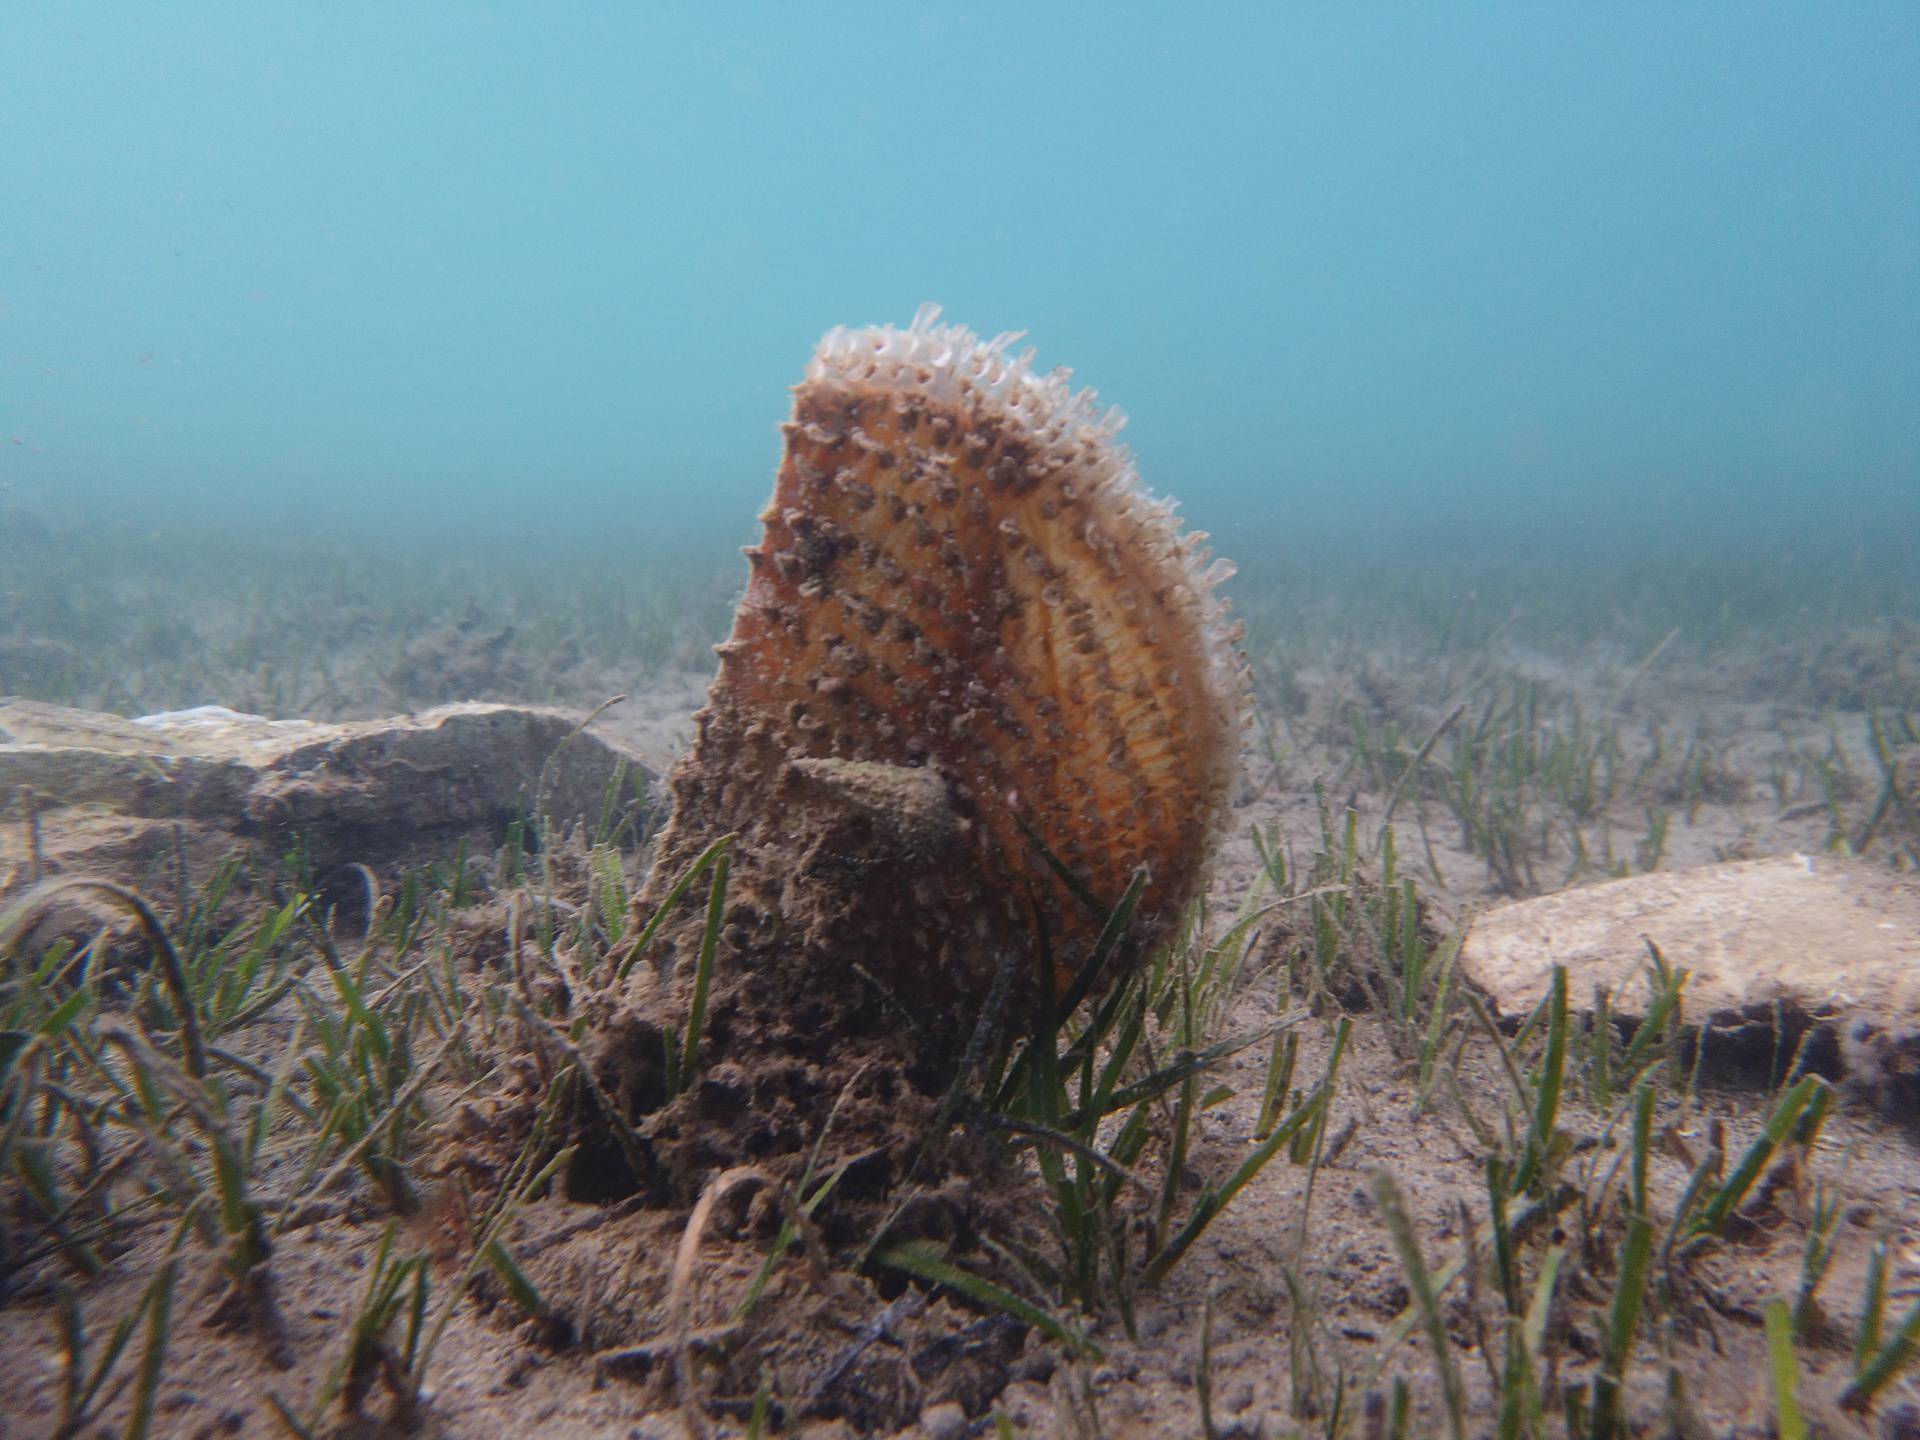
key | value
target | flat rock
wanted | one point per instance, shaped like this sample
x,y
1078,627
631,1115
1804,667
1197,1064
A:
x,y
1797,940
87,793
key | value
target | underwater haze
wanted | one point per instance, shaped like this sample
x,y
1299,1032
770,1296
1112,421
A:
x,y
827,990
550,269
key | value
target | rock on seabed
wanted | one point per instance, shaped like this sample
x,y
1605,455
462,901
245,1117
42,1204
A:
x,y
1800,939
111,797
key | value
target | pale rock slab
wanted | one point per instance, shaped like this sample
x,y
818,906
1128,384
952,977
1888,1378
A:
x,y
1806,940
101,795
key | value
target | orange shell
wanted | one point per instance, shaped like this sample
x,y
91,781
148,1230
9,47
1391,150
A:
x,y
960,570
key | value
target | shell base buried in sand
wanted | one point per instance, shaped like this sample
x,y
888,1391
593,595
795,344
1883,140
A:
x,y
967,626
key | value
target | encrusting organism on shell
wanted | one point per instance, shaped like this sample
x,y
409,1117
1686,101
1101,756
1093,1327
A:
x,y
967,628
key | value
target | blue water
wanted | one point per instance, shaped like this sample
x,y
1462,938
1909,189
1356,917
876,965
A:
x,y
546,267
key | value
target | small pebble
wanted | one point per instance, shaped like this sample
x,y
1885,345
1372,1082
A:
x,y
944,1421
